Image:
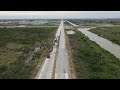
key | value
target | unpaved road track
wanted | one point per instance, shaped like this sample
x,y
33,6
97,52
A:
x,y
72,24
46,71
61,65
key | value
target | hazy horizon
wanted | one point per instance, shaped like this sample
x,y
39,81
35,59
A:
x,y
58,14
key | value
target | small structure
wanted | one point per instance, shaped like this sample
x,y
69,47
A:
x,y
70,32
21,26
69,27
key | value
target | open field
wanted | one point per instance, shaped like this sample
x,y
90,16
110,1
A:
x,y
29,22
110,33
96,22
22,50
90,60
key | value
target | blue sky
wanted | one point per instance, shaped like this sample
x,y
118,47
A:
x,y
59,14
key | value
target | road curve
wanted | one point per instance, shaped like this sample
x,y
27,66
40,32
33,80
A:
x,y
104,43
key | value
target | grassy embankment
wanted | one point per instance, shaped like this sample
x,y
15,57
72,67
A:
x,y
90,60
110,33
15,47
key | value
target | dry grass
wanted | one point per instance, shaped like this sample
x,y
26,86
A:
x,y
8,57
14,46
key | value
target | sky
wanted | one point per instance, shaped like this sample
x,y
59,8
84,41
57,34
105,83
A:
x,y
58,14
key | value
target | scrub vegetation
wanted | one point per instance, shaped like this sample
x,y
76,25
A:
x,y
22,50
90,60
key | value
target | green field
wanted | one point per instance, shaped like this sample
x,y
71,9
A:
x,y
90,61
16,44
110,33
